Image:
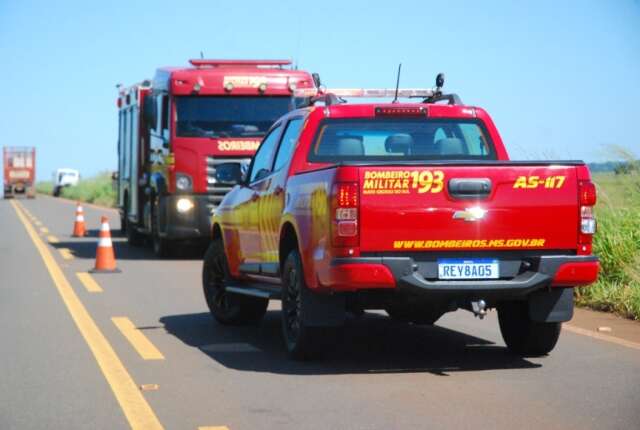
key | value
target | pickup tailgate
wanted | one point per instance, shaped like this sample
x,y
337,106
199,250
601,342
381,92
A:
x,y
453,207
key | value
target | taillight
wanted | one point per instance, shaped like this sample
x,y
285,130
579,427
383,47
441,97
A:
x,y
587,199
344,222
587,191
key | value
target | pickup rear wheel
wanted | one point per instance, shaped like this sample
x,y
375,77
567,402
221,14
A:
x,y
302,342
524,336
227,308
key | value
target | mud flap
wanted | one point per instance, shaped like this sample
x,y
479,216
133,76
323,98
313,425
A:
x,y
322,310
551,306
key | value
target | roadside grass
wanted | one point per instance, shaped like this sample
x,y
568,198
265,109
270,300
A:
x,y
617,243
44,187
97,189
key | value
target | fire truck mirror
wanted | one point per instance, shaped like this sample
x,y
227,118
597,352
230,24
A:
x,y
149,111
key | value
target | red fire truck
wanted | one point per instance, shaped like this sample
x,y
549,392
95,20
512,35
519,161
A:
x,y
178,132
19,171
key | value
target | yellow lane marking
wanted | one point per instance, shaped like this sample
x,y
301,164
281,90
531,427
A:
x,y
44,230
213,428
52,239
89,283
600,336
66,253
139,341
136,409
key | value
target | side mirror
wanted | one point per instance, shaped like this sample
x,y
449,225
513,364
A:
x,y
149,111
230,173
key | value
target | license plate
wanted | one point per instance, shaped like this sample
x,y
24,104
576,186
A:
x,y
457,268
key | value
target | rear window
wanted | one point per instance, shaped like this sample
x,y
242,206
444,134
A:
x,y
401,139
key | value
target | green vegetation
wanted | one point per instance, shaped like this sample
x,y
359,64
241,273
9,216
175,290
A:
x,y
97,189
617,243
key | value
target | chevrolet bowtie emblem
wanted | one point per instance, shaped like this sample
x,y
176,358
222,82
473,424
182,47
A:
x,y
470,214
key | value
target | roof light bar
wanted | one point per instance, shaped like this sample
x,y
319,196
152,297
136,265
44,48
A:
x,y
215,63
380,92
366,92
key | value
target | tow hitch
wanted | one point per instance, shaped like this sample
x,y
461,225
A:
x,y
479,308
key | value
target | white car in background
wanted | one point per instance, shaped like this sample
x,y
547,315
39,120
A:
x,y
64,178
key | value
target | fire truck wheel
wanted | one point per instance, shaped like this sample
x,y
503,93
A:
x,y
524,336
133,236
161,246
227,308
302,342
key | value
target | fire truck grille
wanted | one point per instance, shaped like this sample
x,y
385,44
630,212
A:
x,y
217,191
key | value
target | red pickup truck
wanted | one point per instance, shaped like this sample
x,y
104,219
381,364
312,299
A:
x,y
413,208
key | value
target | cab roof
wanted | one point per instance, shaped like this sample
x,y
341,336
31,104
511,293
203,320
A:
x,y
232,77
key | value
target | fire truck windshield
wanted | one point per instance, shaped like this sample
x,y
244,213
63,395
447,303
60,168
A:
x,y
226,116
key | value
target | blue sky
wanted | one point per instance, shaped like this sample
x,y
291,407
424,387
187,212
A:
x,y
561,79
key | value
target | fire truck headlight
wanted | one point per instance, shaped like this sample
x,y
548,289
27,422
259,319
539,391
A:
x,y
262,87
183,182
184,205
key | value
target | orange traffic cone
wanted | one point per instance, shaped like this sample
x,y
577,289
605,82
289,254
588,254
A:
x,y
79,229
105,259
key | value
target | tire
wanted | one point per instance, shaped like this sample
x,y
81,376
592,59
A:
x,y
123,225
524,336
227,308
56,192
302,342
161,246
134,238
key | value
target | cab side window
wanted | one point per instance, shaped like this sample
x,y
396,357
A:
x,y
262,160
288,143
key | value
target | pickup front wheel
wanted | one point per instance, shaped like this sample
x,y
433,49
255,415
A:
x,y
227,308
524,336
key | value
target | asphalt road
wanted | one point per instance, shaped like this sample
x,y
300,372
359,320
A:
x,y
66,362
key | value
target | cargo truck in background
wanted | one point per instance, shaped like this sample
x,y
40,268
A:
x,y
174,132
19,164
64,177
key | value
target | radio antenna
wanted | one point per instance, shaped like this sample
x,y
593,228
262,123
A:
x,y
395,100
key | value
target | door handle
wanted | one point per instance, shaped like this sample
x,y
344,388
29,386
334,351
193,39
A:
x,y
469,188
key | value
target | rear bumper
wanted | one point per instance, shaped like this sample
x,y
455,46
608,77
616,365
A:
x,y
193,224
407,275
